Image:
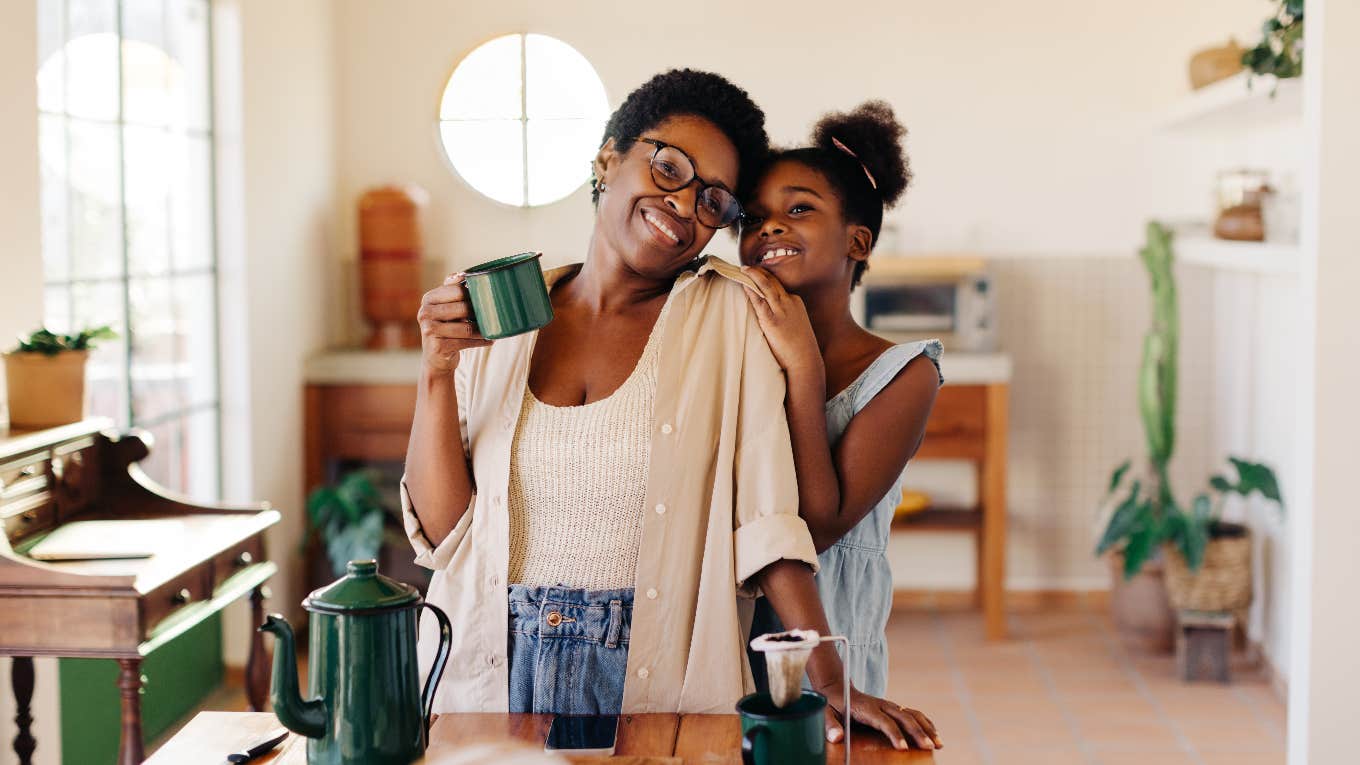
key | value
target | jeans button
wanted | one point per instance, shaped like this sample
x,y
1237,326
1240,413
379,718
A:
x,y
554,619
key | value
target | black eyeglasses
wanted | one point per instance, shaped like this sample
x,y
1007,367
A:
x,y
673,170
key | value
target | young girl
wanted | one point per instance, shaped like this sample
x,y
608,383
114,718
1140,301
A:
x,y
856,403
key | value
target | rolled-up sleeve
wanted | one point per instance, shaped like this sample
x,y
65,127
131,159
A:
x,y
769,528
428,554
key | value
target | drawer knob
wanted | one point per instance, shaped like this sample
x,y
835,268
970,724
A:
x,y
29,471
244,559
30,516
183,596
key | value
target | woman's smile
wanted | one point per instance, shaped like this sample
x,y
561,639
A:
x,y
665,227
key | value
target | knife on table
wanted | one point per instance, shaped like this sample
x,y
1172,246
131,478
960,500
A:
x,y
263,745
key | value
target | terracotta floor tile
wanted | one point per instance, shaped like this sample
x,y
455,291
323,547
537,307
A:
x,y
1113,732
954,754
1093,682
1243,758
1027,681
1151,757
1115,707
1023,756
1233,737
1024,734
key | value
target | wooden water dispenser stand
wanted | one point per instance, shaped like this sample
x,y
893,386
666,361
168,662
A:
x,y
390,253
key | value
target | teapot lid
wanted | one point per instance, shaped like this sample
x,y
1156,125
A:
x,y
362,588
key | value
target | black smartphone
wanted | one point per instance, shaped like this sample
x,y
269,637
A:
x,y
583,734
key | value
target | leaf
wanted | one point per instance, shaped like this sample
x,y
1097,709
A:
x,y
1254,476
1195,538
1137,551
1118,475
1221,484
1124,519
359,541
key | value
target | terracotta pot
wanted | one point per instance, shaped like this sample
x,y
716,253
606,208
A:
x,y
390,264
1213,64
45,390
1139,606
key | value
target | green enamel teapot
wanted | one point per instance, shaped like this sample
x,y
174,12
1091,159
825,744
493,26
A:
x,y
366,706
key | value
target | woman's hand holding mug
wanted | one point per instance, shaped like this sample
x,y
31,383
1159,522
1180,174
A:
x,y
446,326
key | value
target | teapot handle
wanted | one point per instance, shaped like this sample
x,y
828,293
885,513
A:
x,y
437,669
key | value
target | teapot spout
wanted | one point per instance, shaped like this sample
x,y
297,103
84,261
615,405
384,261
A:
x,y
305,717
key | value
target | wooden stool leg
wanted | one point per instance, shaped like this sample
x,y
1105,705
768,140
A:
x,y
257,664
21,677
130,750
993,552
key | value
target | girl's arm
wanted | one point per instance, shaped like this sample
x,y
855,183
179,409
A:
x,y
835,492
438,477
789,587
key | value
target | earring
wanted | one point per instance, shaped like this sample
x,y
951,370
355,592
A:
x,y
600,187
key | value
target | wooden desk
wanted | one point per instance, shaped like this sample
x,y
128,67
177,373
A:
x,y
651,739
971,422
115,609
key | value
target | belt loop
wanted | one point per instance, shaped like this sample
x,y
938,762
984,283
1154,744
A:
x,y
615,624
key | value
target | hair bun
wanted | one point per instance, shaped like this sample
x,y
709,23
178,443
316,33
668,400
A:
x,y
872,131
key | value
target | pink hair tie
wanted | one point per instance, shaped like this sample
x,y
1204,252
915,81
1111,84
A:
x,y
837,143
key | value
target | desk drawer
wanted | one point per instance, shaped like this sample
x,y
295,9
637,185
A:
x,y
24,477
243,554
958,410
191,586
25,516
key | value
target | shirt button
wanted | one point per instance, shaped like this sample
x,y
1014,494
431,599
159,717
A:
x,y
660,509
494,581
643,673
651,594
493,660
667,428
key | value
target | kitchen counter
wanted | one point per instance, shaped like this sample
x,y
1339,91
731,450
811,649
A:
x,y
651,739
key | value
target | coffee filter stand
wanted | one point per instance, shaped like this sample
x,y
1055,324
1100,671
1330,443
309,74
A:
x,y
797,646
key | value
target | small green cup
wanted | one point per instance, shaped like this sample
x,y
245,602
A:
x,y
794,735
509,296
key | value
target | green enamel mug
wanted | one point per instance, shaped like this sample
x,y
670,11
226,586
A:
x,y
508,295
793,735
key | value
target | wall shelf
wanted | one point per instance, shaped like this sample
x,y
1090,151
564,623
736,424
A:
x,y
1248,257
1234,104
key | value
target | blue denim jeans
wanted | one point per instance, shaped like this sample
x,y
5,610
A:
x,y
568,649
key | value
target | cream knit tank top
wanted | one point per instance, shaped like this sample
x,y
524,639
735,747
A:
x,y
578,483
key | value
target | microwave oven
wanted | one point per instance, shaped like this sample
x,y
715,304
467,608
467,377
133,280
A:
x,y
909,298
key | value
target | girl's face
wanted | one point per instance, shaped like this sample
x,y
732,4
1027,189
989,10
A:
x,y
656,231
795,229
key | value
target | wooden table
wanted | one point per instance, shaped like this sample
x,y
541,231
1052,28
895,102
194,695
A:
x,y
652,739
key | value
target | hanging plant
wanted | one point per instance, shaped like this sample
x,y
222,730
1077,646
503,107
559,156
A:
x,y
1280,51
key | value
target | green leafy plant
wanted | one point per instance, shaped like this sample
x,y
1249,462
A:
x,y
49,343
1280,51
349,518
1145,513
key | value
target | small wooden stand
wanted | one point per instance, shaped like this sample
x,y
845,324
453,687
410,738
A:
x,y
1204,645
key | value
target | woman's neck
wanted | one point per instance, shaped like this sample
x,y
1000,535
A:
x,y
605,283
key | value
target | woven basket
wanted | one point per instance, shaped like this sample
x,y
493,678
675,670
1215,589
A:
x,y
1223,582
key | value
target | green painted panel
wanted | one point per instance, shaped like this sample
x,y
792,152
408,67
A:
x,y
179,675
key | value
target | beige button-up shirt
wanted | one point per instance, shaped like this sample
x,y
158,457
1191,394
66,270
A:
x,y
722,503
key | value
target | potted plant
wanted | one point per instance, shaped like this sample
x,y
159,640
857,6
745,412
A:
x,y
348,517
1280,51
45,377
1207,562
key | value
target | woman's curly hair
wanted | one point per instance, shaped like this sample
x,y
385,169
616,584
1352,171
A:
x,y
689,92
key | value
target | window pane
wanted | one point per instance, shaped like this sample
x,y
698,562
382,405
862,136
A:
x,y
57,309
489,156
191,214
487,84
96,218
159,373
151,154
561,83
163,463
189,46
55,222
92,59
196,313
93,305
198,456
559,157
51,62
146,71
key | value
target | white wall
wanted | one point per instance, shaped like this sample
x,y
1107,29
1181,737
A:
x,y
1324,689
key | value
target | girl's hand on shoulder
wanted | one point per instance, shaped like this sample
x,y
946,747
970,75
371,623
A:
x,y
904,727
446,327
784,320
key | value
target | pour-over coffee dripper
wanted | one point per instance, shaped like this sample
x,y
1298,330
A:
x,y
786,658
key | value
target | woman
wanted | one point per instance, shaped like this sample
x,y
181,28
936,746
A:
x,y
591,496
857,404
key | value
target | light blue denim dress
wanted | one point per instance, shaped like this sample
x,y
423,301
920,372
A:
x,y
855,582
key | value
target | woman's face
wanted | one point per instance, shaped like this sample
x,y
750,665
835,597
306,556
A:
x,y
794,228
656,231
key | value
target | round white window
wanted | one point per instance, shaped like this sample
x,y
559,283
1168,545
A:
x,y
521,119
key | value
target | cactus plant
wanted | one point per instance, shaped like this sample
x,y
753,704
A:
x,y
1147,516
